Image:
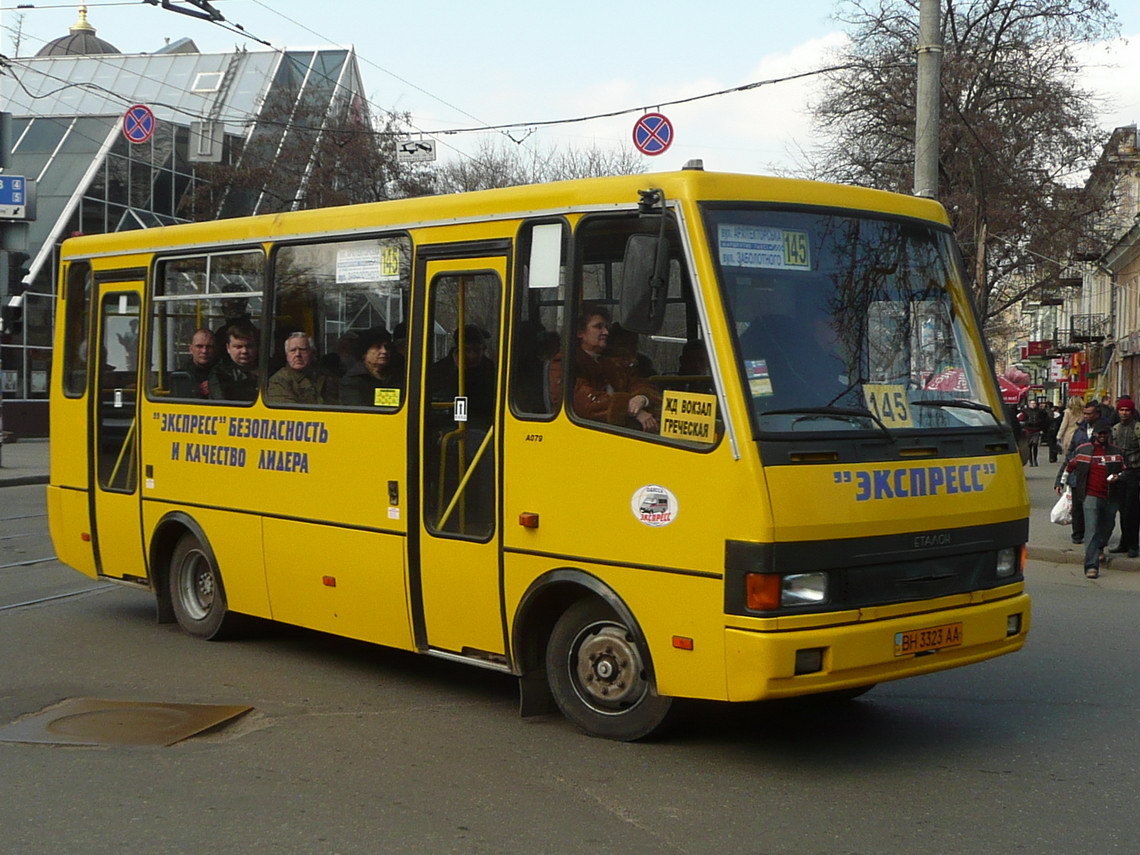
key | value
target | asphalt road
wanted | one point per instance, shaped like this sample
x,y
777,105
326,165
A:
x,y
355,749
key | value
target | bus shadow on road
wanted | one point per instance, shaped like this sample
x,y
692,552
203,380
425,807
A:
x,y
887,725
876,729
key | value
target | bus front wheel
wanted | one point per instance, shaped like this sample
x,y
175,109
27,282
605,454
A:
x,y
196,590
598,674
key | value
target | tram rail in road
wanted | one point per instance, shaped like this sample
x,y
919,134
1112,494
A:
x,y
68,595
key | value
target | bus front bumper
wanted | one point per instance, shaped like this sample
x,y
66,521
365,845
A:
x,y
781,664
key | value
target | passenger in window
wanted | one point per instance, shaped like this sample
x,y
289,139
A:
x,y
203,357
694,362
400,340
236,378
235,311
347,356
606,387
480,376
302,380
801,361
377,379
623,344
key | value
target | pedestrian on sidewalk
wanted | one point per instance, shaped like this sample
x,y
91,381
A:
x,y
1081,433
1126,434
1093,474
1052,429
1034,422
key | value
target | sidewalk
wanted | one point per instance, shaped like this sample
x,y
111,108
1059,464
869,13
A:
x,y
1051,542
26,462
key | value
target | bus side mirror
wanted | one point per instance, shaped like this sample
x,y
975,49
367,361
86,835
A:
x,y
644,279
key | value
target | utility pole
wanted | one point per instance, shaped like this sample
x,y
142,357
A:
x,y
927,99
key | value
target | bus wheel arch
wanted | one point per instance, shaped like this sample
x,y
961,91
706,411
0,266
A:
x,y
167,533
188,581
567,620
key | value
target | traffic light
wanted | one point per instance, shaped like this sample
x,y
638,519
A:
x,y
12,312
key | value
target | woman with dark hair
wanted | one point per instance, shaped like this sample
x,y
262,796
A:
x,y
377,380
607,387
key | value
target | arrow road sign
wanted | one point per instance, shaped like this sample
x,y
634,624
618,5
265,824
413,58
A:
x,y
415,151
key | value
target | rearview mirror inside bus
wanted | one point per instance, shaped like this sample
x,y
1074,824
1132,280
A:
x,y
644,275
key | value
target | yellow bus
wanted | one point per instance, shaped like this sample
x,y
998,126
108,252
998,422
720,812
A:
x,y
631,439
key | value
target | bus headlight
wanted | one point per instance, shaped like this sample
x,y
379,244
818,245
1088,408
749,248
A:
x,y
803,589
1006,562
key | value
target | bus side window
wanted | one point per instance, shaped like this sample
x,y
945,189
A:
x,y
540,300
197,300
76,319
626,378
349,298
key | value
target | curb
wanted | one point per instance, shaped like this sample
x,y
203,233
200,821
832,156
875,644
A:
x,y
1060,555
22,480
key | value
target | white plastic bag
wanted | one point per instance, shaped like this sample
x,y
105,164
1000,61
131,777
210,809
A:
x,y
1062,513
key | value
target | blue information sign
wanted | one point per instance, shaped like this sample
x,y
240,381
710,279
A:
x,y
13,196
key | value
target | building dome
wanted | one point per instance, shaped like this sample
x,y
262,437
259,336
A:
x,y
80,41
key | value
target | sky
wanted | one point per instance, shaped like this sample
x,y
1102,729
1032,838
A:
x,y
455,64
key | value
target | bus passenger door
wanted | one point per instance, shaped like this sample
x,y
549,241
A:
x,y
459,560
115,511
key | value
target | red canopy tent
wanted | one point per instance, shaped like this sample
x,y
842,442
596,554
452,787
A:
x,y
954,380
1011,393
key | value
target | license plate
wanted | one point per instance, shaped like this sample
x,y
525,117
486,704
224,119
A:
x,y
930,638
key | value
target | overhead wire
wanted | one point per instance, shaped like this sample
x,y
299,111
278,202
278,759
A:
x,y
435,133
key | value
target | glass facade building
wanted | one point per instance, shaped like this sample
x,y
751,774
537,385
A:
x,y
67,136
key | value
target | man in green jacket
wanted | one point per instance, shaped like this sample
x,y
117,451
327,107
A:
x,y
301,380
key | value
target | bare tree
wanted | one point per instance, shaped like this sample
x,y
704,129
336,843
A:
x,y
1017,131
501,163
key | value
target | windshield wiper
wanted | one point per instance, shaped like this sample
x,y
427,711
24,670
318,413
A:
x,y
825,412
953,402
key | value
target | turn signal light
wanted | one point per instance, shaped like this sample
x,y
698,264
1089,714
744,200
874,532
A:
x,y
528,519
762,591
328,581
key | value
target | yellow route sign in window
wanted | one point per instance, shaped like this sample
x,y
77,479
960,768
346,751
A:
x,y
888,402
689,416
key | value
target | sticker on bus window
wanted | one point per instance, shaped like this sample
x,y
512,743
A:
x,y
654,506
688,415
888,402
386,397
763,247
359,264
756,370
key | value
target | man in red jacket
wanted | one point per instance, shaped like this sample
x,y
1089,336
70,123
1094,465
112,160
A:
x,y
1093,474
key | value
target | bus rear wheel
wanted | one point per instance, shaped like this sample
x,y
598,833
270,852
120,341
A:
x,y
196,590
598,675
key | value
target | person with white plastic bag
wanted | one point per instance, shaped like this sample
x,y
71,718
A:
x,y
1093,473
1062,513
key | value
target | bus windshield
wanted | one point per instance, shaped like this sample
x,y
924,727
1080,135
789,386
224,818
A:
x,y
849,322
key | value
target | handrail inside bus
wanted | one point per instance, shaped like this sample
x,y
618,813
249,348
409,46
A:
x,y
466,477
128,441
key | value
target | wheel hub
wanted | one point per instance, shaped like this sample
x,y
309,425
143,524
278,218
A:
x,y
197,586
609,668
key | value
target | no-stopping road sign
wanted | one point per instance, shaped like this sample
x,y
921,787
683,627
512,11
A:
x,y
652,134
138,123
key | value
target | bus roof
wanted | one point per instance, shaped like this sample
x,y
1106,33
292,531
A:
x,y
691,185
